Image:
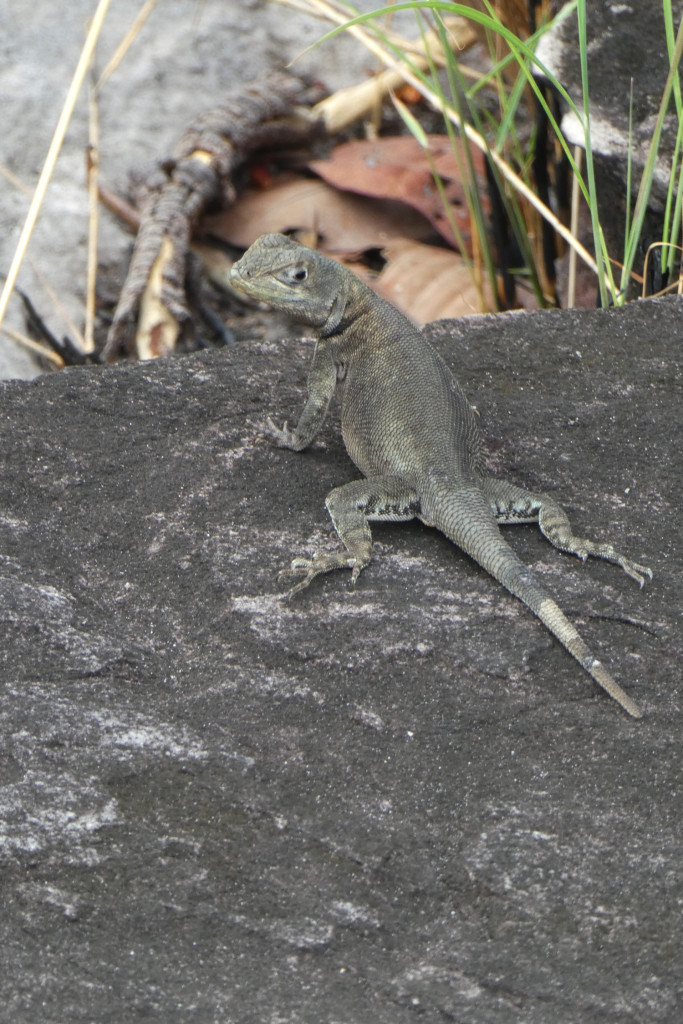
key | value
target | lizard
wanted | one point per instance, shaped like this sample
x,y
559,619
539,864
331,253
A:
x,y
410,430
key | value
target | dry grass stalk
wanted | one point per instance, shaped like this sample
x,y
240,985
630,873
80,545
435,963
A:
x,y
35,346
322,8
93,169
675,286
53,152
15,182
574,227
126,43
57,303
349,105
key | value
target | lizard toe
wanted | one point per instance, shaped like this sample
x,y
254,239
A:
x,y
636,571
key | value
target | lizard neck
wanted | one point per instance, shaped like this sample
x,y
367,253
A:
x,y
353,312
339,315
335,329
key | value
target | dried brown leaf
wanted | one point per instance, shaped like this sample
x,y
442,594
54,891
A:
x,y
342,222
399,168
428,283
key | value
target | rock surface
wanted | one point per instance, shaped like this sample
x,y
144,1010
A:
x,y
626,44
628,66
398,803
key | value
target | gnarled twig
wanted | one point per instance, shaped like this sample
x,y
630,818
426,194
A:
x,y
153,316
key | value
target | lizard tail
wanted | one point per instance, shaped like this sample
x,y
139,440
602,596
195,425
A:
x,y
559,625
469,523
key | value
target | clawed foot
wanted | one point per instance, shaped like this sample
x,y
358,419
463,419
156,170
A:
x,y
636,571
285,437
309,568
583,548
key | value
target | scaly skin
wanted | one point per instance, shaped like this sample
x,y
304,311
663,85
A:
x,y
409,428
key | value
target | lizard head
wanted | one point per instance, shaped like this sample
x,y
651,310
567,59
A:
x,y
309,287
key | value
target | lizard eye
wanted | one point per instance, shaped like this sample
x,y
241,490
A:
x,y
295,275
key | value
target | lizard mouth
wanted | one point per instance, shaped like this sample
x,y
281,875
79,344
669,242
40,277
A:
x,y
238,279
244,281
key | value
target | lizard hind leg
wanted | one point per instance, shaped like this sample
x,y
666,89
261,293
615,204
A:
x,y
511,504
470,523
351,508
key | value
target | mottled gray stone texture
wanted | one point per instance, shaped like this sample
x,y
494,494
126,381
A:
x,y
403,802
628,65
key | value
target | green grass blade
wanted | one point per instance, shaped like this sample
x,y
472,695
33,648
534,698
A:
x,y
645,188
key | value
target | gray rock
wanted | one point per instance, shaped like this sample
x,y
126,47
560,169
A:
x,y
400,802
626,50
626,43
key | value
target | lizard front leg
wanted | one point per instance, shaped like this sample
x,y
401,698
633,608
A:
x,y
322,379
511,504
351,508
